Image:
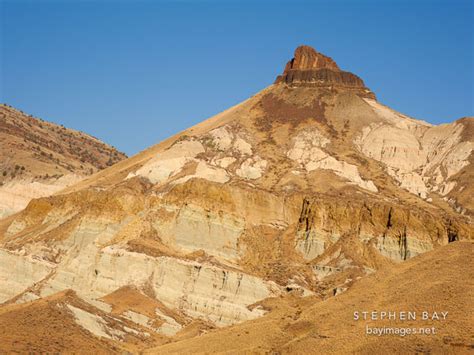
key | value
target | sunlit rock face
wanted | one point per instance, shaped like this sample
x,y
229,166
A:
x,y
299,191
421,157
311,68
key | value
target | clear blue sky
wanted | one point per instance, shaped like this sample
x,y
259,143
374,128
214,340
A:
x,y
134,72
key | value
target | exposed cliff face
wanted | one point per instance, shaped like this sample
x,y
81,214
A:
x,y
300,190
421,157
311,68
307,57
395,231
436,280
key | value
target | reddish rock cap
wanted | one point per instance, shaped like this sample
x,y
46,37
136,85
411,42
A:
x,y
314,69
307,57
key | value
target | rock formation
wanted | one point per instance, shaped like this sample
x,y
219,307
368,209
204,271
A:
x,y
311,68
307,58
296,193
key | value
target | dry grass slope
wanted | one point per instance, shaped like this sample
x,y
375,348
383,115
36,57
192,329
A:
x,y
440,280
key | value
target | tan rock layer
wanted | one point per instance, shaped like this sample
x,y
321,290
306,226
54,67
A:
x,y
320,76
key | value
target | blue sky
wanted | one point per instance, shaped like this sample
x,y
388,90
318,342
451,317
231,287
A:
x,y
135,72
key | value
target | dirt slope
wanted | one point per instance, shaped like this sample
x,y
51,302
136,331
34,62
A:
x,y
438,281
44,326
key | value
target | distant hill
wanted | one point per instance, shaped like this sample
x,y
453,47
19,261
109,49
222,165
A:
x,y
38,158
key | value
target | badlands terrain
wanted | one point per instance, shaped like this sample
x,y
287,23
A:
x,y
39,158
261,229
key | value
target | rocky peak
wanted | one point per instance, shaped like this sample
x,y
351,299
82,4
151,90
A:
x,y
311,68
307,57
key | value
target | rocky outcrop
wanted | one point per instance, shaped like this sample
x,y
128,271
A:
x,y
311,68
202,291
92,263
192,228
396,233
15,195
18,273
421,157
320,77
306,58
308,151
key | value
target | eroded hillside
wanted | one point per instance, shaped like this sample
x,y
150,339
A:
x,y
298,192
39,158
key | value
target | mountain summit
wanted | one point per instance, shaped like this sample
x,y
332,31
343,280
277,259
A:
x,y
311,68
307,57
296,193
